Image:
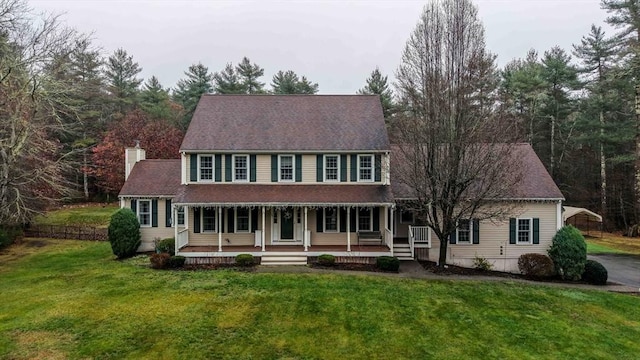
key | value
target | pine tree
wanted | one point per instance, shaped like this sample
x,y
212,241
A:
x,y
377,85
121,73
249,75
188,91
154,99
227,81
307,87
289,83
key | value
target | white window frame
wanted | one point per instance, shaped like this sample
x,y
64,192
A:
x,y
337,179
518,242
235,221
215,220
458,242
233,167
138,212
413,217
213,168
180,212
370,219
324,220
360,179
293,168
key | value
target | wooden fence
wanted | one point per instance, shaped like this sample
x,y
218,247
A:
x,y
66,232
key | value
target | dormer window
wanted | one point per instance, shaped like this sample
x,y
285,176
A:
x,y
240,168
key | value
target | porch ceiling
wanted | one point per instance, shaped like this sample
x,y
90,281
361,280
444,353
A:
x,y
285,195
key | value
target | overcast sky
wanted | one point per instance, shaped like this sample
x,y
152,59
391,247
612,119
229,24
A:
x,y
333,43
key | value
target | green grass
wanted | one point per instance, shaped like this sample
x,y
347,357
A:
x,y
69,299
594,248
89,215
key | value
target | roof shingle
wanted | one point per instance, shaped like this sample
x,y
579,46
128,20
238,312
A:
x,y
153,178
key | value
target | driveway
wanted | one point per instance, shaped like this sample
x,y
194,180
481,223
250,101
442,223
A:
x,y
623,269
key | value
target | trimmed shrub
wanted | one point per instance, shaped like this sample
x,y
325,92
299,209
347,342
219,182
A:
x,y
245,260
481,263
9,235
159,261
166,246
124,233
388,263
176,262
326,260
536,265
569,253
595,273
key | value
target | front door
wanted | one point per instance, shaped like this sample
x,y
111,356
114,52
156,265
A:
x,y
286,224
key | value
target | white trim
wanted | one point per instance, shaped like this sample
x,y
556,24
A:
x,y
235,221
213,168
324,220
530,242
233,168
293,168
271,151
470,242
373,167
324,168
183,162
150,212
559,220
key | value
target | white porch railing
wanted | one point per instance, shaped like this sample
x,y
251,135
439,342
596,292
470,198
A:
x,y
183,238
388,239
420,235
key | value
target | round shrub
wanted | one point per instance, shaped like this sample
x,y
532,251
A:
x,y
245,260
536,265
124,233
166,246
595,273
159,261
388,263
569,253
176,262
326,260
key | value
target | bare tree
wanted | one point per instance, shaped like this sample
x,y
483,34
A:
x,y
444,154
32,104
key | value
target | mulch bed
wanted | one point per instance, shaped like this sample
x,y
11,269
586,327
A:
x,y
218,267
457,270
349,266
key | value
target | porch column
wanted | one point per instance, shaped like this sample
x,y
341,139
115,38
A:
x,y
174,218
393,222
348,228
219,228
186,216
304,235
264,229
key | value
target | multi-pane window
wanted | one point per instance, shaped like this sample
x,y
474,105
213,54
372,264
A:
x,y
524,231
286,168
243,219
331,167
180,215
365,168
364,219
144,212
240,167
209,220
464,231
331,219
206,167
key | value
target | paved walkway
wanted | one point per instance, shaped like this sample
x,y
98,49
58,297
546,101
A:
x,y
623,269
413,270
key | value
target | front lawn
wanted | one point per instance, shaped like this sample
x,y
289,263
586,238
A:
x,y
97,215
612,244
69,299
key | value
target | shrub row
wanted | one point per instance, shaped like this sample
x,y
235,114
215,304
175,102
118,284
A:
x,y
166,261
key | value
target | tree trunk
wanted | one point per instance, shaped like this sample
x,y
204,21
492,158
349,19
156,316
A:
x,y
442,260
603,173
85,177
637,157
553,142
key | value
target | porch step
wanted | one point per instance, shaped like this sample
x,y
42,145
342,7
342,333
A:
x,y
269,259
402,251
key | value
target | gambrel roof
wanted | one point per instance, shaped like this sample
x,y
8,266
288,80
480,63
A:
x,y
294,123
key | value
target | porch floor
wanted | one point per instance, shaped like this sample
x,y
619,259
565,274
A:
x,y
286,248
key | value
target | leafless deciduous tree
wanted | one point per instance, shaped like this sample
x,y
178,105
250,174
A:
x,y
31,105
452,151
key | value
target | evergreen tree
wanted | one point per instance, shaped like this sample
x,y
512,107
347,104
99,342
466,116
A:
x,y
249,75
121,73
307,87
377,85
154,99
227,81
289,83
188,91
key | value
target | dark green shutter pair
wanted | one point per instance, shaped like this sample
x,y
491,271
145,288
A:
x,y
154,210
513,233
298,168
194,167
475,236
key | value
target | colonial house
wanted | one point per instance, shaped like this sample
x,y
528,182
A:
x,y
289,177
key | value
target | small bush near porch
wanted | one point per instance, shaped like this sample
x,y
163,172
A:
x,y
67,299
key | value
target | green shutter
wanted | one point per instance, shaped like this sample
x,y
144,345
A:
x,y
343,168
512,230
352,220
254,220
476,231
274,168
343,220
196,220
354,168
298,168
536,230
378,169
319,166
319,221
230,219
193,163
453,237
252,167
167,213
218,168
134,206
376,219
154,213
227,168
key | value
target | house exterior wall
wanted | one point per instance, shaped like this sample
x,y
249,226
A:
x,y
149,234
494,239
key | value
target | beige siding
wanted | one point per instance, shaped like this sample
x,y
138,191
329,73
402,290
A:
x,y
149,234
228,238
263,168
494,240
309,168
